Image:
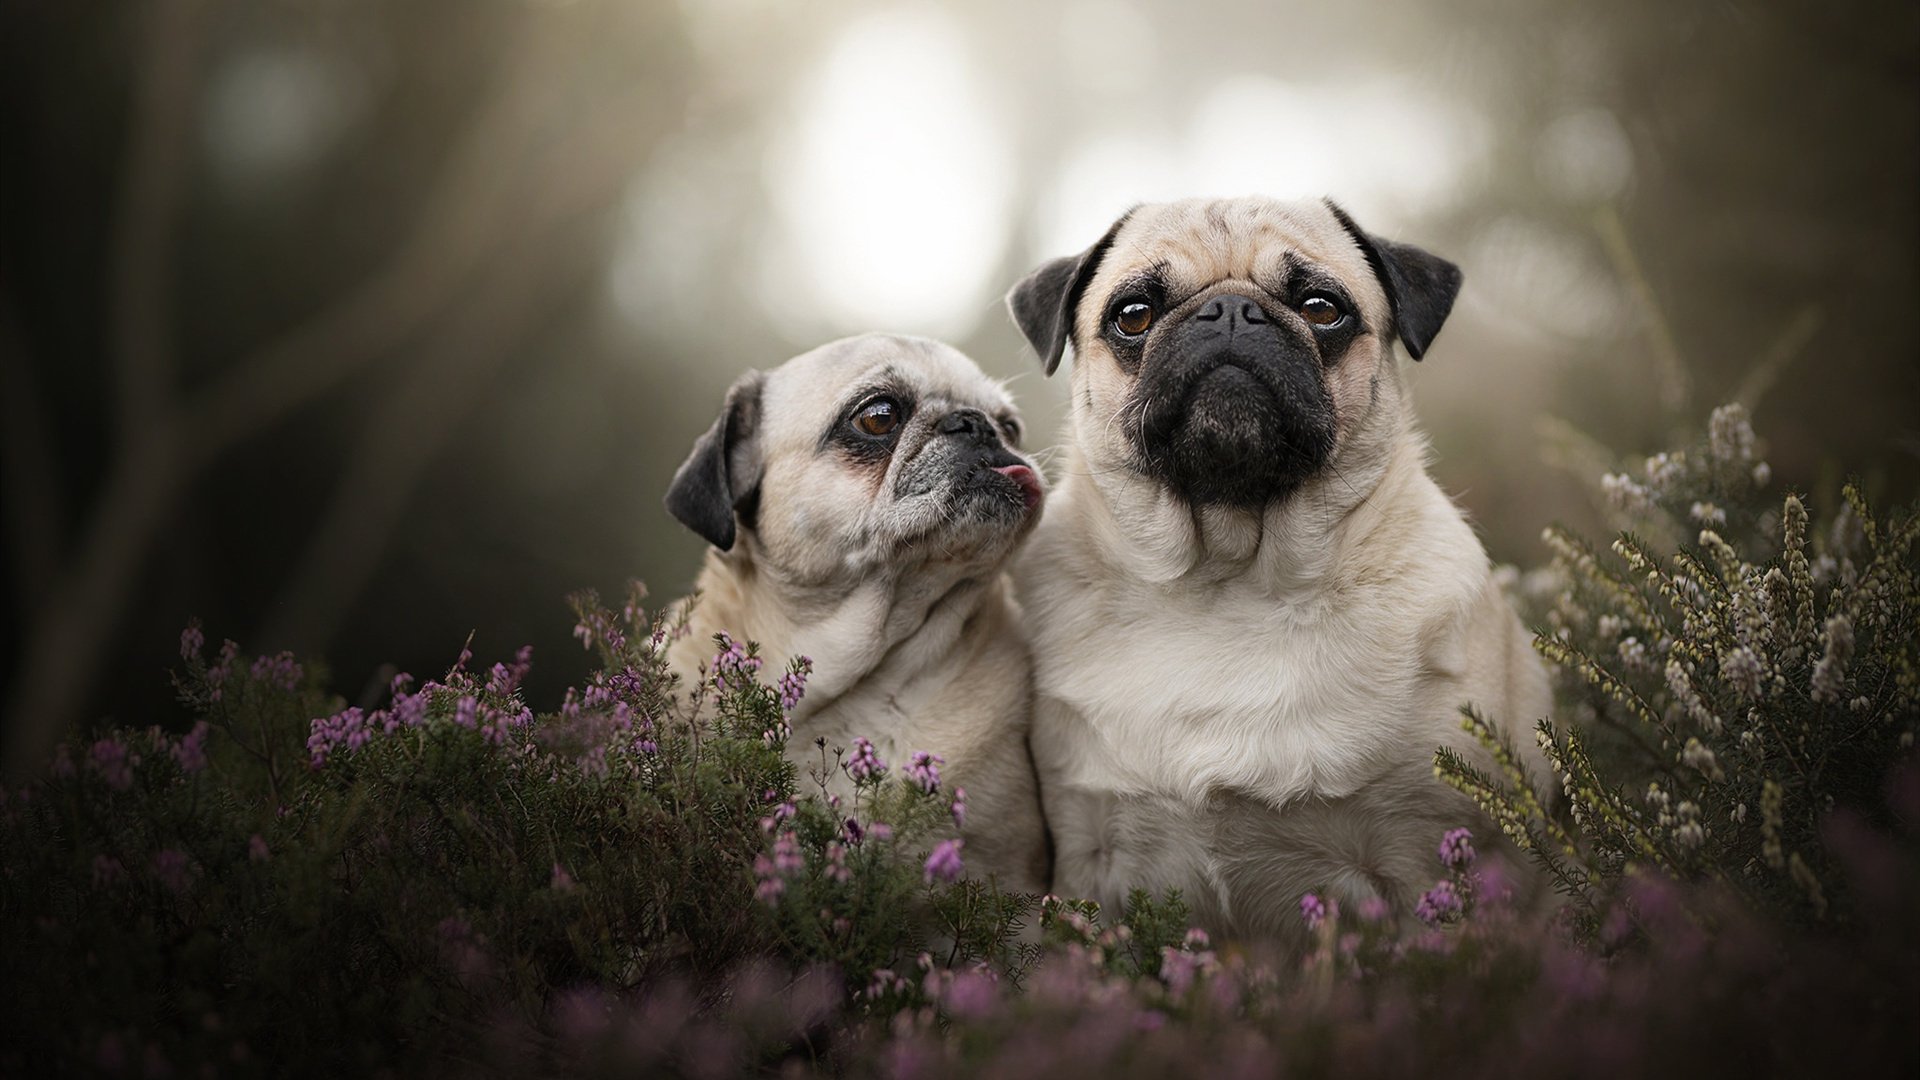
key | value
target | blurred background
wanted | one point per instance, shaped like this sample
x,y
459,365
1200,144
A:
x,y
353,326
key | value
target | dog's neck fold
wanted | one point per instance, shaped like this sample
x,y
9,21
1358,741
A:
x,y
1289,547
867,636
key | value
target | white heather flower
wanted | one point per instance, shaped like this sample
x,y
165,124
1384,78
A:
x,y
1740,812
1830,674
1743,669
1689,833
1730,435
1824,568
1762,474
1699,756
1634,654
1608,626
1625,495
1707,514
1664,471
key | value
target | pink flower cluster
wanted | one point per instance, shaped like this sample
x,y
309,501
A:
x,y
733,666
793,685
924,769
864,763
1456,849
281,672
944,863
772,870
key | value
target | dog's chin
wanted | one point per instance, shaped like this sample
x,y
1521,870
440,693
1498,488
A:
x,y
978,517
1236,440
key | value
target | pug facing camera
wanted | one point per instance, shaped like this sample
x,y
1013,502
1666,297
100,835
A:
x,y
1254,614
861,501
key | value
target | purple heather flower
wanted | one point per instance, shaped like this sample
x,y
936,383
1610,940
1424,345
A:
x,y
732,660
1313,910
793,685
1439,904
346,729
944,864
853,830
221,668
561,880
280,671
107,871
787,857
864,763
465,710
257,849
192,640
784,812
1456,849
960,807
924,770
1373,909
837,861
111,759
172,870
880,830
190,753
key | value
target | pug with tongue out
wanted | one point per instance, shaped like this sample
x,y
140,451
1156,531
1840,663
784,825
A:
x,y
861,501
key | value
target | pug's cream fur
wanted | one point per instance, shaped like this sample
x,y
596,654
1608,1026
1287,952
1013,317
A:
x,y
1242,701
884,568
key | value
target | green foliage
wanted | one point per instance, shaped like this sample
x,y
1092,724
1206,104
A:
x,y
395,878
643,881
1725,697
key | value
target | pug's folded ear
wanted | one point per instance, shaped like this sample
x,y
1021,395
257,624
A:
x,y
1420,286
1043,303
722,474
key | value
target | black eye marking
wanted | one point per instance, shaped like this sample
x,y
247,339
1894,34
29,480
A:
x,y
870,424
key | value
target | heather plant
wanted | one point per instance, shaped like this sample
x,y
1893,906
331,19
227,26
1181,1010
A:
x,y
1731,694
648,879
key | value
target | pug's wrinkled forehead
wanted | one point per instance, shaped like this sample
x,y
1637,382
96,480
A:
x,y
809,397
1187,247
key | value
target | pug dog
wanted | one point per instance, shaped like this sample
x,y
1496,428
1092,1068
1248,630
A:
x,y
1254,614
861,501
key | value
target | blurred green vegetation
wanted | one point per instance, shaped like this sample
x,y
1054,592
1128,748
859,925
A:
x,y
355,326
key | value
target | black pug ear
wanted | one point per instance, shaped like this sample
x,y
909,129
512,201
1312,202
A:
x,y
1420,286
723,472
1042,304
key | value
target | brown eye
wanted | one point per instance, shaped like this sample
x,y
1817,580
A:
x,y
1133,318
878,418
1321,311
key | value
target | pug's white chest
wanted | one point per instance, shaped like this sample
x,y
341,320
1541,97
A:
x,y
1180,762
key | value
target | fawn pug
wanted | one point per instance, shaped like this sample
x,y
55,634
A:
x,y
1254,615
861,501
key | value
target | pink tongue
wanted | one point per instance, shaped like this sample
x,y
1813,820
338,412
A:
x,y
1029,483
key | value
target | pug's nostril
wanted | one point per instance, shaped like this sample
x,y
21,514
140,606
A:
x,y
965,422
1234,310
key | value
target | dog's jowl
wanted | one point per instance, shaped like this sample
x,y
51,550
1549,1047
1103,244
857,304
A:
x,y
1254,615
861,501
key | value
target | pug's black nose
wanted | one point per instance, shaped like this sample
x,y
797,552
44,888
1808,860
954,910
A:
x,y
1233,309
966,422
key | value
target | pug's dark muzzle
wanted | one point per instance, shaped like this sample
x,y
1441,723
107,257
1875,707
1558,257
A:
x,y
1233,408
965,460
